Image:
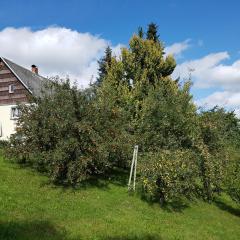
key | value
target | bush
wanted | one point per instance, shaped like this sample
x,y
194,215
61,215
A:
x,y
219,132
232,181
3,143
56,134
169,175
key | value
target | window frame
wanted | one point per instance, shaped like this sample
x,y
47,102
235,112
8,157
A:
x,y
11,88
13,115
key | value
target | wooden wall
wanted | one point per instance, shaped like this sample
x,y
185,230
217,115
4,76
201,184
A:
x,y
7,78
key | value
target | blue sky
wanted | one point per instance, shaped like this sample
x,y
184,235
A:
x,y
209,29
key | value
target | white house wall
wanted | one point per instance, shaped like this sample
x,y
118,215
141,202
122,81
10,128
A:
x,y
7,124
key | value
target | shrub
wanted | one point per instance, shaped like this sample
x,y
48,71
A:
x,y
232,180
56,134
169,175
219,132
3,143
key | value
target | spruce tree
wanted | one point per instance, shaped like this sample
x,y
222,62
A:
x,y
104,63
152,32
140,32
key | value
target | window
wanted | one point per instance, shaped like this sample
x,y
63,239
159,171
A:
x,y
15,113
11,88
1,130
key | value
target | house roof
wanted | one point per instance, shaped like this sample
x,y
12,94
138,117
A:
x,y
32,81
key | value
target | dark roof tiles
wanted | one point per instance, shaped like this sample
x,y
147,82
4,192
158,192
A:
x,y
33,82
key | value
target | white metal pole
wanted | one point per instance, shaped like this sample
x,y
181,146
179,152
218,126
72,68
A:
x,y
135,167
131,171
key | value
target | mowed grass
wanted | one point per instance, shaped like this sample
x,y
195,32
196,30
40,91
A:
x,y
31,208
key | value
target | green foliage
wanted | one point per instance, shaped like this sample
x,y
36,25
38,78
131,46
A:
x,y
3,144
104,63
219,133
220,128
168,118
56,135
152,32
169,175
144,63
140,32
232,181
112,116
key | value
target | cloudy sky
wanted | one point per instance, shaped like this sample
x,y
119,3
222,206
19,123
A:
x,y
68,37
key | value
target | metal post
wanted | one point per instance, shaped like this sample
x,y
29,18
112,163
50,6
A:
x,y
135,169
133,165
130,177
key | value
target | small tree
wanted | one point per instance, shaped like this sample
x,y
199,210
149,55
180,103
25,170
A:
x,y
220,135
113,116
169,175
140,32
232,180
56,134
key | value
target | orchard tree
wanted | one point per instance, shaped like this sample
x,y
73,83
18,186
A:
x,y
113,116
151,109
56,134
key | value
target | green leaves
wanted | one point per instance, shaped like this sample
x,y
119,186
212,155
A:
x,y
56,135
169,175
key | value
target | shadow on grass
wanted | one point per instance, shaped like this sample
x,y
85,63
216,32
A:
x,y
225,207
143,237
34,230
178,205
44,230
117,177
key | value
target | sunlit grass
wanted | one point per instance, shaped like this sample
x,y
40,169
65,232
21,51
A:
x,y
31,208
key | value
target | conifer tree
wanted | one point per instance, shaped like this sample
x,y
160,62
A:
x,y
104,63
152,32
140,32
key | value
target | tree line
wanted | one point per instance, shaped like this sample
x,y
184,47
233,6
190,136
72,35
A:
x,y
73,134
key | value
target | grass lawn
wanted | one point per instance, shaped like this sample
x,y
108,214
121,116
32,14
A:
x,y
31,208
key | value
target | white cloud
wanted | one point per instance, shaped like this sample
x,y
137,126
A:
x,y
176,49
55,50
229,100
221,98
209,71
237,112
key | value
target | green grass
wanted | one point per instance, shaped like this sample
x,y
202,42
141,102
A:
x,y
31,208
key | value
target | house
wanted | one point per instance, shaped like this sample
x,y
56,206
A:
x,y
16,84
